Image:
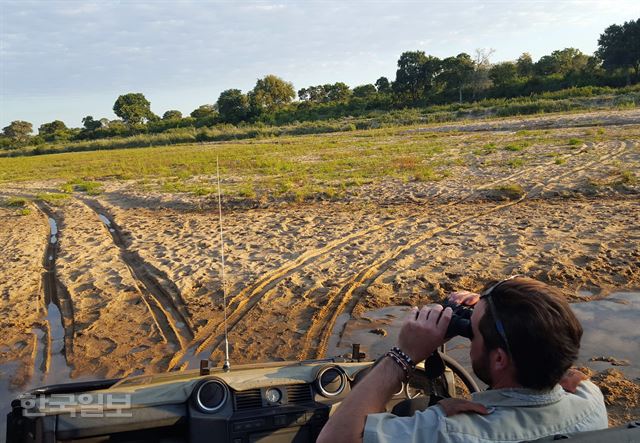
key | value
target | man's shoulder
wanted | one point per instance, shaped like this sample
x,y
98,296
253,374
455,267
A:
x,y
523,414
516,415
589,390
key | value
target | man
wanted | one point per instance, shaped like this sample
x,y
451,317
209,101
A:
x,y
525,338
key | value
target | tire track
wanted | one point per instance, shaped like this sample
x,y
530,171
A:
x,y
246,299
345,300
56,335
168,310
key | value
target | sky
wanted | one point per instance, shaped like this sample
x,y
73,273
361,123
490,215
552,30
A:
x,y
63,60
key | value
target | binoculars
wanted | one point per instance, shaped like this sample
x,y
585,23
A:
x,y
460,320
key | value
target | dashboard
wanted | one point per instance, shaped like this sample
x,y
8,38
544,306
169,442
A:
x,y
275,402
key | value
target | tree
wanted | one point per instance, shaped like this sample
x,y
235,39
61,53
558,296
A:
x,y
203,111
53,131
317,94
409,74
619,47
303,94
90,124
271,93
233,106
456,73
503,74
430,72
52,128
364,91
133,108
569,61
524,65
337,92
546,65
480,78
416,74
383,85
172,114
18,130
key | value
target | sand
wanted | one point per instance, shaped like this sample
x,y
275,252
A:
x,y
137,274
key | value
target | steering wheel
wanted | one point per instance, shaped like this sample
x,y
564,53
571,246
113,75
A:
x,y
431,382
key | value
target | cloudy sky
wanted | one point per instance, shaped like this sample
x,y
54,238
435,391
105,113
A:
x,y
68,59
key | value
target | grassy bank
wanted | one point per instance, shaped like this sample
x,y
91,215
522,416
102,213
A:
x,y
576,99
301,166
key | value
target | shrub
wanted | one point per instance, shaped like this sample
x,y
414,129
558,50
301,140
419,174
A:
x,y
17,202
52,197
90,187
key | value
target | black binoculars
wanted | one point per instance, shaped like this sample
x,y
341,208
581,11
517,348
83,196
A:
x,y
460,321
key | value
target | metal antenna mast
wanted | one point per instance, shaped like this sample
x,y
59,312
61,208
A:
x,y
226,366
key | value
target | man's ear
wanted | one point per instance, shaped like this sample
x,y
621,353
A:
x,y
500,360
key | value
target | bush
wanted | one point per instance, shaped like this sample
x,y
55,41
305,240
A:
x,y
16,202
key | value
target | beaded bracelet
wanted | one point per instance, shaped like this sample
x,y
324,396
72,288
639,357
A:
x,y
400,363
396,350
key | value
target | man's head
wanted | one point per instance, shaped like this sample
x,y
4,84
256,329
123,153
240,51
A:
x,y
542,335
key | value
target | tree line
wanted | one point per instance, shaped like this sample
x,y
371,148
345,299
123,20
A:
x,y
420,80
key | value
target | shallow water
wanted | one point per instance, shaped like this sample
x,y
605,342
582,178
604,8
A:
x,y
103,218
611,330
59,371
53,226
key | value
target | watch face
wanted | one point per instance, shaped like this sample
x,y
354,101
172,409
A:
x,y
273,395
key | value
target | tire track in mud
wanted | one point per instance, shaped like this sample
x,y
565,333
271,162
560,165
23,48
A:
x,y
345,300
167,310
245,300
53,341
242,303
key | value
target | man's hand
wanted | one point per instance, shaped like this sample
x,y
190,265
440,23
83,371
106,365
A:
x,y
423,331
464,298
571,379
453,406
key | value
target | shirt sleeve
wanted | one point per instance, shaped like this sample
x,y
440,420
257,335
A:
x,y
389,428
598,419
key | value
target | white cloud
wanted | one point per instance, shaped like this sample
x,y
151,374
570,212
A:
x,y
215,45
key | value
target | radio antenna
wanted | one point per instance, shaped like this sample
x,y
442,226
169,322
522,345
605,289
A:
x,y
226,366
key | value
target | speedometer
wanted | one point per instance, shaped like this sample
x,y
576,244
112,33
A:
x,y
273,395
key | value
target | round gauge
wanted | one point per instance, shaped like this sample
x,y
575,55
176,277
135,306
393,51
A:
x,y
273,395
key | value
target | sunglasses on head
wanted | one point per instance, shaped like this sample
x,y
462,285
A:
x,y
486,295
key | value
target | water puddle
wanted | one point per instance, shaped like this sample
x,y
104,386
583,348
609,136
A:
x,y
39,361
359,330
103,218
610,338
53,226
59,371
611,330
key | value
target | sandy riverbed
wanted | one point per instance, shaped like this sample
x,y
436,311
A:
x,y
137,274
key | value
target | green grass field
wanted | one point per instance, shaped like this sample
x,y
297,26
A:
x,y
297,166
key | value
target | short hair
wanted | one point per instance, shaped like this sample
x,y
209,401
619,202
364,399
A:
x,y
542,330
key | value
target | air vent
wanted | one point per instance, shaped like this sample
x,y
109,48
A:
x,y
299,393
331,381
250,399
211,396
